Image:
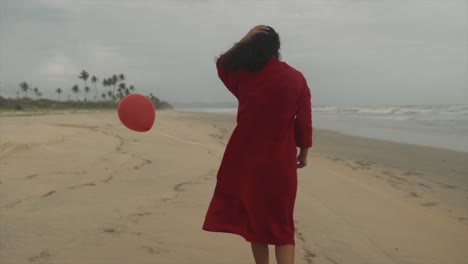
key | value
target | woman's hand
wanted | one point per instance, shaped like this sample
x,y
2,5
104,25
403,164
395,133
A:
x,y
302,158
253,31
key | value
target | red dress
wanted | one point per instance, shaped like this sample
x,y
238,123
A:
x,y
257,180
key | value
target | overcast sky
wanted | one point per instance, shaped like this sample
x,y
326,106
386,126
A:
x,y
353,52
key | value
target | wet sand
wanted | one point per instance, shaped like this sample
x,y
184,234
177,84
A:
x,y
81,188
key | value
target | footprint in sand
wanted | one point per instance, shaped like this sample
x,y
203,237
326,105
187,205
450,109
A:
x,y
81,185
352,167
447,186
399,178
178,188
13,204
32,176
108,179
113,229
109,230
154,250
429,204
364,164
44,255
150,250
77,173
49,193
424,185
216,136
211,174
308,254
396,181
143,213
298,234
75,126
212,153
412,173
387,172
136,217
121,143
335,158
145,162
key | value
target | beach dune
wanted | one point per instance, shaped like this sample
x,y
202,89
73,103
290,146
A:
x,y
81,188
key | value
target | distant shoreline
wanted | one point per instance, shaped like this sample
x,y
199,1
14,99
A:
x,y
27,104
431,125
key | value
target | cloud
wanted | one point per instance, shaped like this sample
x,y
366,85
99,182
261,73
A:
x,y
386,47
58,66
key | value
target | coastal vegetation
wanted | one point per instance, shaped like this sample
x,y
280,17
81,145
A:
x,y
94,93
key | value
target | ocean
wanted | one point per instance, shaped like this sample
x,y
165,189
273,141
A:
x,y
441,126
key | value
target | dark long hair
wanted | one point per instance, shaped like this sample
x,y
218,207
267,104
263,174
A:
x,y
253,54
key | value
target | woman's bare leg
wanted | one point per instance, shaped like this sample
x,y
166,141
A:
x,y
260,252
285,254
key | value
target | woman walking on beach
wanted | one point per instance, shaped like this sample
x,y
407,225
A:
x,y
257,180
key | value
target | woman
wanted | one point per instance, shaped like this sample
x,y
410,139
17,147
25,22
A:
x,y
257,180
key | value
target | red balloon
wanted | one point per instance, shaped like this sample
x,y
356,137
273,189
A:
x,y
137,112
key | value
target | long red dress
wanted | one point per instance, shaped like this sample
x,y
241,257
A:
x,y
257,180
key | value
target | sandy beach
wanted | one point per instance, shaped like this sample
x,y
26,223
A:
x,y
81,188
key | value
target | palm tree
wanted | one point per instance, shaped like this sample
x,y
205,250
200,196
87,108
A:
x,y
122,86
36,91
155,100
86,91
94,80
132,88
121,77
24,86
58,91
76,90
103,95
127,91
114,80
84,76
110,94
105,83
